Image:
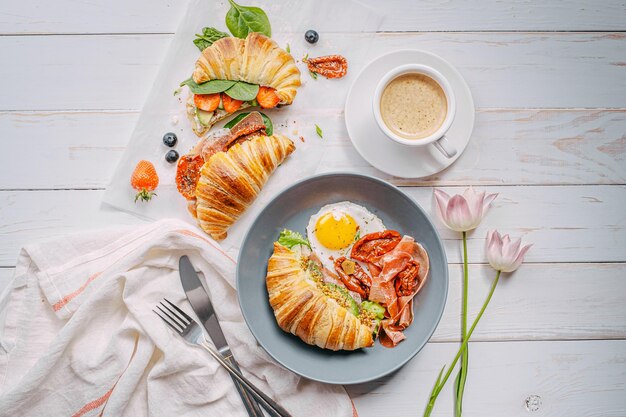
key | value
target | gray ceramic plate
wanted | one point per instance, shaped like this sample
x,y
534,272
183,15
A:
x,y
291,209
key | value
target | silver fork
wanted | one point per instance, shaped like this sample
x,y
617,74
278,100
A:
x,y
192,333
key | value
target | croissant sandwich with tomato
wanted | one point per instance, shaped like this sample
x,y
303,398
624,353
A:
x,y
223,174
320,306
234,73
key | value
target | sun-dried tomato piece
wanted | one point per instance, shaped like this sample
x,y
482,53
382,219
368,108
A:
x,y
407,280
357,281
188,174
374,245
331,66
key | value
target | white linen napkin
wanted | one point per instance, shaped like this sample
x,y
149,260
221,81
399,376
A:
x,y
78,336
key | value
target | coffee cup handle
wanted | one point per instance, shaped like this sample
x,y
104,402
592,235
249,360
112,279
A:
x,y
444,146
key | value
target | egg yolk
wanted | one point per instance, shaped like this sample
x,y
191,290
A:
x,y
336,230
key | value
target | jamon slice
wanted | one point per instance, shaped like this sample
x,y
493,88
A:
x,y
249,125
393,264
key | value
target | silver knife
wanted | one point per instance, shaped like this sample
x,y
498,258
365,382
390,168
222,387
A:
x,y
202,306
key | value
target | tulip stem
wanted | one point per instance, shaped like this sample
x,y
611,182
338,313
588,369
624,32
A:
x,y
462,375
439,384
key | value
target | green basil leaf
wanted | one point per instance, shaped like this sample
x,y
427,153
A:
x,y
289,239
243,91
208,37
318,130
242,20
209,87
269,126
235,120
201,43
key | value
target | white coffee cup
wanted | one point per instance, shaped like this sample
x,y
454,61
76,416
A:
x,y
438,138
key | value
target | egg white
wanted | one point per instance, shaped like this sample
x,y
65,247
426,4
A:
x,y
367,221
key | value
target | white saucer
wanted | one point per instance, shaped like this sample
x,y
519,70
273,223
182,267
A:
x,y
383,153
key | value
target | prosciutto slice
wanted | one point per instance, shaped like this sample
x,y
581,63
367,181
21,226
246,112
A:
x,y
383,290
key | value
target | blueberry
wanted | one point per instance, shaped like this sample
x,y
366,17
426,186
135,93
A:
x,y
170,139
171,156
311,36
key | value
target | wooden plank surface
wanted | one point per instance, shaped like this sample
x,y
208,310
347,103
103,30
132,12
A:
x,y
530,304
572,379
87,145
559,147
26,216
508,147
68,72
504,70
162,16
542,215
549,82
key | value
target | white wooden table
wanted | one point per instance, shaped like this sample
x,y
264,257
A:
x,y
549,81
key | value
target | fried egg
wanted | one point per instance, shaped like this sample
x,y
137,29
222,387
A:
x,y
334,229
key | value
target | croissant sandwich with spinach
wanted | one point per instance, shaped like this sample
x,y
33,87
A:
x,y
234,73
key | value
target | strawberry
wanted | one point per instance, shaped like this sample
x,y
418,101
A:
x,y
267,97
230,104
144,180
207,102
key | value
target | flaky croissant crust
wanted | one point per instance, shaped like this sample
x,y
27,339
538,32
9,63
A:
x,y
302,309
256,59
230,181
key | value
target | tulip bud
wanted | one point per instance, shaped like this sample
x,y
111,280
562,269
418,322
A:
x,y
463,212
503,254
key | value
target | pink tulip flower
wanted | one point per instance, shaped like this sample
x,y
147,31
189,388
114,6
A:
x,y
504,254
462,213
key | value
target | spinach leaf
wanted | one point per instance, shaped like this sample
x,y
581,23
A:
x,y
209,87
318,130
243,91
289,239
208,36
269,126
242,20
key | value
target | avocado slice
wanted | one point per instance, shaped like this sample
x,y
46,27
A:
x,y
344,298
378,311
374,308
204,117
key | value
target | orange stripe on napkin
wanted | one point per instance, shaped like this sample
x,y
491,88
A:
x,y
63,302
190,233
354,413
93,404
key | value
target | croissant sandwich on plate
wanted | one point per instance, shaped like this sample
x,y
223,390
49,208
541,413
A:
x,y
223,174
234,73
319,314
367,294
